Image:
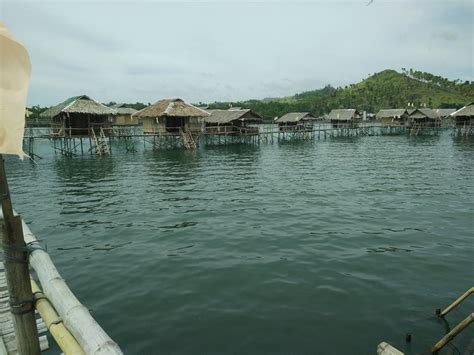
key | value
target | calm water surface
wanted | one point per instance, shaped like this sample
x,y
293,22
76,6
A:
x,y
324,247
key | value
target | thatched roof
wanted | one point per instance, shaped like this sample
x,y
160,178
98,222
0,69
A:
x,y
121,110
228,116
171,108
78,104
343,114
391,113
421,113
467,110
444,112
296,117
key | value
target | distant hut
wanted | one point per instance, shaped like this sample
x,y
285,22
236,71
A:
x,y
232,121
392,117
423,117
464,116
344,118
171,117
78,116
123,116
295,121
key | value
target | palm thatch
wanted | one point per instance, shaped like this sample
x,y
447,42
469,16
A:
x,y
343,114
120,109
82,104
170,108
444,112
391,113
423,113
466,111
234,115
296,117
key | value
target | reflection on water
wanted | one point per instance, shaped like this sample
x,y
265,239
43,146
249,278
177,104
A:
x,y
282,248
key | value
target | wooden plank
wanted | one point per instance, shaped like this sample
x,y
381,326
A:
x,y
386,349
7,330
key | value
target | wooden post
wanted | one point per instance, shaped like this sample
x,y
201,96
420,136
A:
x,y
17,274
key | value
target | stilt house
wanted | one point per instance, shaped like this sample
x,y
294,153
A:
x,y
232,122
464,116
123,116
424,118
296,121
171,117
392,117
78,116
344,118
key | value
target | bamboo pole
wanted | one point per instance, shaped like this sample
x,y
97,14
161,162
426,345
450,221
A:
x,y
54,323
77,319
455,303
453,333
17,273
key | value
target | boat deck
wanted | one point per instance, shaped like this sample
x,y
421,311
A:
x,y
8,342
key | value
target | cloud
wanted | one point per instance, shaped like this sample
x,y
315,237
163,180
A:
x,y
446,35
207,51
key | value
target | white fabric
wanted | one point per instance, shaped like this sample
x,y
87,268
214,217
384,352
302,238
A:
x,y
15,72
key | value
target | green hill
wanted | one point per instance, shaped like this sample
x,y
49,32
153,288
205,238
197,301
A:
x,y
387,89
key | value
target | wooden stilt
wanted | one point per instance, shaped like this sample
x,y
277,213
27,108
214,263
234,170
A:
x,y
17,273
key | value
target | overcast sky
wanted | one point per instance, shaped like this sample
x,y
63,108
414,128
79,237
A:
x,y
128,51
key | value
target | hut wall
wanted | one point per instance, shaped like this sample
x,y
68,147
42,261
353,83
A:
x,y
392,121
151,126
79,124
193,124
462,121
344,123
171,125
124,120
286,126
425,122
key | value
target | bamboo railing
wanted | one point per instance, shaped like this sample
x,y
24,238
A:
x,y
66,342
459,327
76,318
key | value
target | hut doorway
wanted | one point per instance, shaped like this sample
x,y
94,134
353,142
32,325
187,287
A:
x,y
174,124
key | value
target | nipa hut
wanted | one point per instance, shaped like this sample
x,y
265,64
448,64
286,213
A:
x,y
295,121
464,116
171,117
392,117
344,118
123,116
423,117
232,122
78,116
